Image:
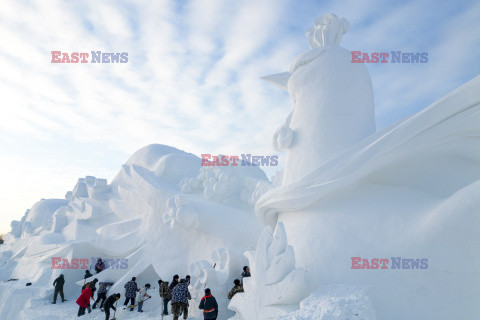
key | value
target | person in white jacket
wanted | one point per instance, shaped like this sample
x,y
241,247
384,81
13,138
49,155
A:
x,y
142,296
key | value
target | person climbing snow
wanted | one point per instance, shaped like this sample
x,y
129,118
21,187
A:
x,y
92,287
99,266
84,300
142,296
102,294
209,306
236,289
131,289
58,283
246,272
180,297
164,292
109,304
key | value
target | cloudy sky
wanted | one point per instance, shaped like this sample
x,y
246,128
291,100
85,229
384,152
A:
x,y
192,80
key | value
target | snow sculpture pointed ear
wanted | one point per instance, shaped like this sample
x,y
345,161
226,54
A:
x,y
279,79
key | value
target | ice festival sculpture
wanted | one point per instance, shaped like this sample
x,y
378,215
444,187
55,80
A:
x,y
407,192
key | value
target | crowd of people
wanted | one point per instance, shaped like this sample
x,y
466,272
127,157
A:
x,y
176,293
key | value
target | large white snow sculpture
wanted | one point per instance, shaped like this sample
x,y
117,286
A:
x,y
332,101
409,191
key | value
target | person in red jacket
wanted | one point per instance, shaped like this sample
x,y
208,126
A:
x,y
84,300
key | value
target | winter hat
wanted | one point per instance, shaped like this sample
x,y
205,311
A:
x,y
207,291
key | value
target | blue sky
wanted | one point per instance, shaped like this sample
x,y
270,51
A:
x,y
192,80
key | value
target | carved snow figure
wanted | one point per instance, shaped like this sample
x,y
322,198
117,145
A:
x,y
276,285
406,193
332,101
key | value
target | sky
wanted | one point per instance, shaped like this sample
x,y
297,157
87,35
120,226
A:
x,y
192,80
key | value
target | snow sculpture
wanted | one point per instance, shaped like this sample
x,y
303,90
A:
x,y
276,285
218,275
332,101
401,194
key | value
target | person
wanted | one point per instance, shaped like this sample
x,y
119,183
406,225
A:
x,y
164,292
92,287
109,304
174,282
188,279
58,283
102,294
236,289
142,296
131,289
209,305
87,274
246,272
180,297
100,266
84,299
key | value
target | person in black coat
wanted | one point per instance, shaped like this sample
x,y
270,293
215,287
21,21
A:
x,y
174,282
58,283
209,306
109,304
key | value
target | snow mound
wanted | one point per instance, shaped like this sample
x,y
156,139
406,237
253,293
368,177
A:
x,y
334,303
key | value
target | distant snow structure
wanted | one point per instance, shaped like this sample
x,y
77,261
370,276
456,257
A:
x,y
332,101
276,285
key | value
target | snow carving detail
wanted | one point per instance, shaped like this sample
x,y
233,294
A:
x,y
276,286
181,211
328,31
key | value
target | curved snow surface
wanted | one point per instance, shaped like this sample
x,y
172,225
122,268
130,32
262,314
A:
x,y
409,191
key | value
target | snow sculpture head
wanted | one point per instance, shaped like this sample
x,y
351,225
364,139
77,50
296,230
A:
x,y
332,101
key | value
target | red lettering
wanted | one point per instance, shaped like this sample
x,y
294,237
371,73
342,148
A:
x,y
375,57
355,262
365,58
384,263
205,160
55,55
84,263
55,261
234,160
65,264
74,264
384,56
75,57
365,264
355,55
84,56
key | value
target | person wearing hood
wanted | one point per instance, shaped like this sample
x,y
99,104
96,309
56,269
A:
x,y
180,297
142,296
109,304
84,300
209,306
58,283
99,266
164,291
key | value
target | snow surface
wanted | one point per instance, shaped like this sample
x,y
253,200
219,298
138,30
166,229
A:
x,y
410,191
